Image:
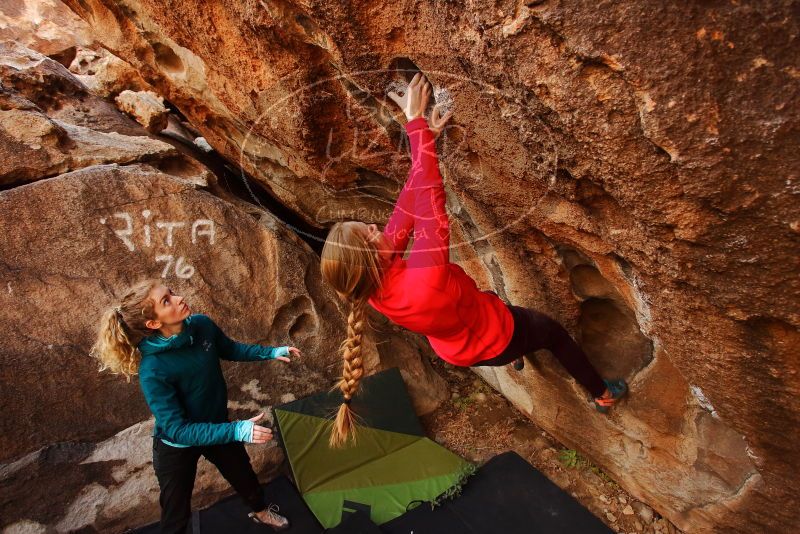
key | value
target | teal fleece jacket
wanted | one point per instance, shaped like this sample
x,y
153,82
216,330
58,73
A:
x,y
181,378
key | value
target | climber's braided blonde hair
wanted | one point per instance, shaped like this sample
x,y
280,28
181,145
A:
x,y
121,329
350,264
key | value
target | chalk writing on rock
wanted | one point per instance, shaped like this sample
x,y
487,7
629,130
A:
x,y
166,233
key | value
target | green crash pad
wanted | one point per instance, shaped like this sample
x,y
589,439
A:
x,y
391,466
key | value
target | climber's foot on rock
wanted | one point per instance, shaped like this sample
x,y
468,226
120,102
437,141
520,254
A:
x,y
615,390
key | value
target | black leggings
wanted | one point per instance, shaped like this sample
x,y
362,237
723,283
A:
x,y
534,331
176,467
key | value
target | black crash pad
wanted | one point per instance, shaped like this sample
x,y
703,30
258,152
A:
x,y
506,495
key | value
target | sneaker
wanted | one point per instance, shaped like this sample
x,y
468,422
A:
x,y
519,364
274,520
617,388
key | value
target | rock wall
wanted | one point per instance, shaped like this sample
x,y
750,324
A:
x,y
89,204
46,26
629,168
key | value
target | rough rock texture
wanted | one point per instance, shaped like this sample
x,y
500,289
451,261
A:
x,y
31,78
104,74
34,145
52,29
630,168
96,220
106,205
146,107
47,26
106,486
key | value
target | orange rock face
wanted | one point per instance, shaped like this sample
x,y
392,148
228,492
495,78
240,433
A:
x,y
46,26
630,169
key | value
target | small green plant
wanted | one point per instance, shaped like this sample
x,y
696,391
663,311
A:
x,y
607,479
462,403
570,458
483,387
455,490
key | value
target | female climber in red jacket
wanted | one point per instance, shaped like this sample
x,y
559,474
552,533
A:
x,y
426,293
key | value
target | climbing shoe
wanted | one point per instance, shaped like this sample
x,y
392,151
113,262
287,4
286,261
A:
x,y
617,388
273,519
519,364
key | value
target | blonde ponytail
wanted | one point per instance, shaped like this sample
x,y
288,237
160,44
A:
x,y
121,329
353,369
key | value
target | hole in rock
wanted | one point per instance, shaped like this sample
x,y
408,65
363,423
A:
x,y
609,332
306,23
302,327
587,282
180,166
571,257
626,267
65,57
404,67
402,70
166,58
564,175
611,338
289,317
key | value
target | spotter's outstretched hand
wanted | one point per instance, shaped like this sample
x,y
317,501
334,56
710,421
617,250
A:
x,y
293,351
261,434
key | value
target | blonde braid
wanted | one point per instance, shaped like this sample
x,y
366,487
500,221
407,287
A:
x,y
352,370
350,264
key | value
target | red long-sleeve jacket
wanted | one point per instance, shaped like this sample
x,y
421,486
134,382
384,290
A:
x,y
426,293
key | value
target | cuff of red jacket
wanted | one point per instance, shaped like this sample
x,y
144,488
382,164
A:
x,y
416,124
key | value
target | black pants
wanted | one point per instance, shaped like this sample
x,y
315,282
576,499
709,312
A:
x,y
535,331
176,467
